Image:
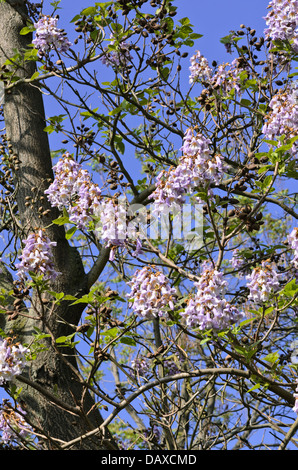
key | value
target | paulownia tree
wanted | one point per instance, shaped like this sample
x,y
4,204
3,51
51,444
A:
x,y
149,249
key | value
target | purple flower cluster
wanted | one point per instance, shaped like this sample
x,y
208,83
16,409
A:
x,y
114,227
12,360
227,76
282,21
208,308
49,36
73,189
170,367
140,366
238,262
13,427
37,256
293,241
120,57
113,222
196,168
283,116
264,282
199,68
151,293
153,433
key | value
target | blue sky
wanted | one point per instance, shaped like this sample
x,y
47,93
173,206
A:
x,y
213,19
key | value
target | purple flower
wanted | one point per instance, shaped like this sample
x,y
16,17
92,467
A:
x,y
61,191
295,408
120,57
170,367
37,256
208,308
196,168
227,76
293,241
12,360
140,366
73,189
238,262
13,427
282,21
264,282
49,36
283,116
199,68
151,293
113,222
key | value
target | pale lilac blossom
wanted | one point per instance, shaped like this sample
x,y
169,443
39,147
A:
x,y
293,241
282,21
282,118
141,366
13,427
199,68
37,256
49,36
227,76
208,308
73,189
264,281
197,167
12,360
120,56
238,262
151,293
295,408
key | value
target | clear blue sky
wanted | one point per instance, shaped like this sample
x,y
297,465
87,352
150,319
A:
x,y
214,19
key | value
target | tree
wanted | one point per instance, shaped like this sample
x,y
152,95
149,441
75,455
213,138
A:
x,y
102,277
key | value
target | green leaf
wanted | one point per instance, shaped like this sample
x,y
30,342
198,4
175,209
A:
x,y
86,299
70,232
62,339
27,30
57,295
255,387
61,220
113,332
128,341
245,102
272,357
35,75
90,11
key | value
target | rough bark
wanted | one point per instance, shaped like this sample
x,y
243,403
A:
x,y
54,372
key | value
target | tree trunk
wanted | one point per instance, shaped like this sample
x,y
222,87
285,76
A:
x,y
61,407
